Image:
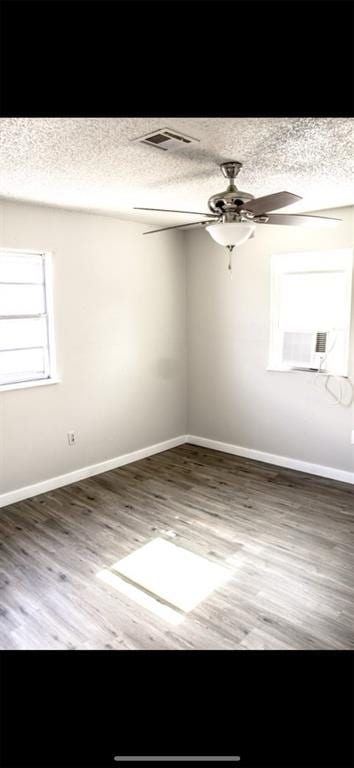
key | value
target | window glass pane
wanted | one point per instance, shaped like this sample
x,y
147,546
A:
x,y
14,364
21,299
312,301
31,332
18,378
21,269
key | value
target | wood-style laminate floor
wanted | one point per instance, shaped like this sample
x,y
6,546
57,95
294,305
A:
x,y
286,537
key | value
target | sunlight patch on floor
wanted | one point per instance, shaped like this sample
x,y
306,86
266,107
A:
x,y
162,577
141,598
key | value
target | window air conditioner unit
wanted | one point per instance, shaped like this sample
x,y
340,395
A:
x,y
304,350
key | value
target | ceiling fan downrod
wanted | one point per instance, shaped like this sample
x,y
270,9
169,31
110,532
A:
x,y
230,170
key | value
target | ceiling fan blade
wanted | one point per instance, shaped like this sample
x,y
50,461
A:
x,y
270,202
299,220
177,226
169,210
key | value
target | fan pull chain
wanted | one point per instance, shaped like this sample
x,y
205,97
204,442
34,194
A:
x,y
230,248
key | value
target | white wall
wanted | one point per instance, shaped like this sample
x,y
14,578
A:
x,y
120,327
121,332
232,397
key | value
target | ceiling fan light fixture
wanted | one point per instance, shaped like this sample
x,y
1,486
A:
x,y
233,211
231,233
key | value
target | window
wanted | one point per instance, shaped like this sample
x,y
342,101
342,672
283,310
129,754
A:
x,y
26,331
310,311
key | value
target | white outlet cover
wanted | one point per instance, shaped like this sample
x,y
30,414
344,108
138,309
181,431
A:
x,y
352,440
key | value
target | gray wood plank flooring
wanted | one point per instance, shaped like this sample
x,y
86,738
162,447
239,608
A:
x,y
286,537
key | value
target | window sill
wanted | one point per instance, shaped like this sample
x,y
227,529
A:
x,y
27,384
307,370
273,369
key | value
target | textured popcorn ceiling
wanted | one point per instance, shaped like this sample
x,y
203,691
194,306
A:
x,y
90,163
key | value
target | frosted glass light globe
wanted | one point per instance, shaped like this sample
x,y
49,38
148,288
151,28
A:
x,y
231,233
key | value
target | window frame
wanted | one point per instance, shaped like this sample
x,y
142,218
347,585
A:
x,y
307,261
50,376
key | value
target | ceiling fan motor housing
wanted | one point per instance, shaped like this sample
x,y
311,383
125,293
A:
x,y
231,198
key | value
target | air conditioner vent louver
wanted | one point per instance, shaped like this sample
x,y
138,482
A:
x,y
321,342
166,139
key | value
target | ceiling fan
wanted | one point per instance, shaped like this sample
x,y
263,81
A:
x,y
233,214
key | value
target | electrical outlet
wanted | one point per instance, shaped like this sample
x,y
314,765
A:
x,y
72,438
352,440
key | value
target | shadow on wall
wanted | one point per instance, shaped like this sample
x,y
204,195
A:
x,y
165,368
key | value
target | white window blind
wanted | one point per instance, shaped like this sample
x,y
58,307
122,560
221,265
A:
x,y
310,311
26,333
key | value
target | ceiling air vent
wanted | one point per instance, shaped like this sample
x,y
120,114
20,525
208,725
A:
x,y
166,139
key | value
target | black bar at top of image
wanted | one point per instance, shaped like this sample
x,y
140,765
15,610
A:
x,y
133,58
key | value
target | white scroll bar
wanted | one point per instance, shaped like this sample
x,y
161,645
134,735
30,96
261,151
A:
x,y
178,758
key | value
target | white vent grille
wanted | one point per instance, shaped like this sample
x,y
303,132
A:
x,y
304,350
166,139
297,348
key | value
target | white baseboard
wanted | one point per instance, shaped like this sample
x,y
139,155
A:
x,y
104,466
271,458
80,474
